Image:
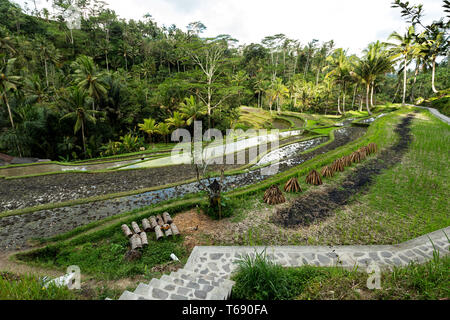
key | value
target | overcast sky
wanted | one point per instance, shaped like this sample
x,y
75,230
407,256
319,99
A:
x,y
352,24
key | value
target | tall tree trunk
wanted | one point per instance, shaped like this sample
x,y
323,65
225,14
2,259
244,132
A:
x,y
396,91
367,98
360,104
433,71
46,71
354,95
107,64
9,109
404,81
343,100
84,138
339,103
411,98
371,94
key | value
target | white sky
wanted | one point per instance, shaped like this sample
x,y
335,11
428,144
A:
x,y
352,24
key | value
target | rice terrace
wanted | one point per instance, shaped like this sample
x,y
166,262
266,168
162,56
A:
x,y
140,161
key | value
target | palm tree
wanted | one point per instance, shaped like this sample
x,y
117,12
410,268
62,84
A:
x,y
149,127
375,62
176,121
192,110
34,89
421,62
8,82
76,102
47,53
340,72
6,45
259,89
105,46
437,42
404,47
163,129
295,89
279,91
88,78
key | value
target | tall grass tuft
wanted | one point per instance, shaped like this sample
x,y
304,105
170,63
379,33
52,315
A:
x,y
30,287
258,278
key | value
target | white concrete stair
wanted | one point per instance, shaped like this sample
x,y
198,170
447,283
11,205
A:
x,y
182,285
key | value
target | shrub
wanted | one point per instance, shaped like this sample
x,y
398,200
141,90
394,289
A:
x,y
227,207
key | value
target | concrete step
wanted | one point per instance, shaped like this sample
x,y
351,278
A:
x,y
187,275
197,283
127,295
142,289
168,290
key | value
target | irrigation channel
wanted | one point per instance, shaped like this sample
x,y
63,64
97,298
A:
x,y
17,229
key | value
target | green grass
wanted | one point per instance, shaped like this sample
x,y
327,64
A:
x,y
259,279
428,281
29,287
104,258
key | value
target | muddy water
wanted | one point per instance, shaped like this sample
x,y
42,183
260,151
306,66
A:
x,y
15,230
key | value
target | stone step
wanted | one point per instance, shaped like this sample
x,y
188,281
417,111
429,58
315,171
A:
x,y
207,276
208,285
204,279
217,269
127,295
142,289
164,290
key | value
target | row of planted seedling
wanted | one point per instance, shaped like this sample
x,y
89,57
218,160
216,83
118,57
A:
x,y
273,195
160,225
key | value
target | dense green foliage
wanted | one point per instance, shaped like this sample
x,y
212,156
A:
x,y
117,86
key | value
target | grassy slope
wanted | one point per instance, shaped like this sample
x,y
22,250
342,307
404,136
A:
x,y
405,201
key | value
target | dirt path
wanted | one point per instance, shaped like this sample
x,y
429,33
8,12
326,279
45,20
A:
x,y
321,204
